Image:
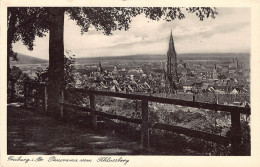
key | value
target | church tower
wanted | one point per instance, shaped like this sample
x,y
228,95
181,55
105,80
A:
x,y
99,68
172,62
214,73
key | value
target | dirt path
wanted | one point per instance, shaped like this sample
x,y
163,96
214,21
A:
x,y
30,133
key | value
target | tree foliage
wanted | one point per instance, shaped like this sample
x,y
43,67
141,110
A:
x,y
110,19
69,69
25,23
15,88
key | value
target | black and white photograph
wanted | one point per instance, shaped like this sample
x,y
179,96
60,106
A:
x,y
113,82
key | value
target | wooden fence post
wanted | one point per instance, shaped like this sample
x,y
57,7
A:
x,y
145,124
25,94
235,133
45,98
37,99
93,108
12,91
193,98
61,104
136,105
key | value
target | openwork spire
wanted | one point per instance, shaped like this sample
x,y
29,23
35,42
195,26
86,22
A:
x,y
172,61
171,49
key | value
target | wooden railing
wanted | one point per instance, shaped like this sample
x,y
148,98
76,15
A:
x,y
234,140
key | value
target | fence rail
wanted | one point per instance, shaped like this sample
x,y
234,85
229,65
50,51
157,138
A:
x,y
234,140
235,109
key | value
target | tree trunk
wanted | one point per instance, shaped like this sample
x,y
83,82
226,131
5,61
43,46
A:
x,y
9,79
10,36
56,60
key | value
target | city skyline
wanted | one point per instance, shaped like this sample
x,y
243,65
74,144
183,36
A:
x,y
231,26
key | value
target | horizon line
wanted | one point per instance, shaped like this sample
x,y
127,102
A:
x,y
142,54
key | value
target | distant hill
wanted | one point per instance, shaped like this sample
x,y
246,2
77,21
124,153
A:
x,y
148,57
25,59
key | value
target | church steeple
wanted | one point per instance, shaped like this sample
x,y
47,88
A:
x,y
100,69
171,61
171,45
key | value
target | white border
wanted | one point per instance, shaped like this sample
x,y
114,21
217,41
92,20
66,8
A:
x,y
253,160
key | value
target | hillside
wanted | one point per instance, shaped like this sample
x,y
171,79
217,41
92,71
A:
x,y
25,59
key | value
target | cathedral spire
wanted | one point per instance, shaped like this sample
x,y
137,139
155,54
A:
x,y
171,61
171,43
100,69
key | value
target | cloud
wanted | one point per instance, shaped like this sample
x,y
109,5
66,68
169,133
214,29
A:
x,y
224,29
231,26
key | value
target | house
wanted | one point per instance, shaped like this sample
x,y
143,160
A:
x,y
231,71
204,87
234,92
187,86
220,88
197,85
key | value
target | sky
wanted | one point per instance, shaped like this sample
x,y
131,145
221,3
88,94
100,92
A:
x,y
229,32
